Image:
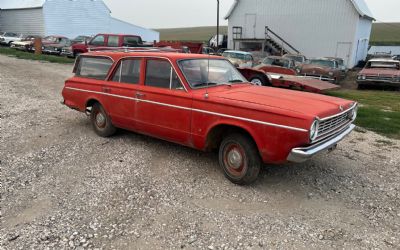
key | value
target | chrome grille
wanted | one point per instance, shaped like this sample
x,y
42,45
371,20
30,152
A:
x,y
332,124
381,77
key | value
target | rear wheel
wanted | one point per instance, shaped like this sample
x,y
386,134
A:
x,y
239,159
101,122
259,80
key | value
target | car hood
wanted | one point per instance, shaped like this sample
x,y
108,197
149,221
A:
x,y
275,100
380,71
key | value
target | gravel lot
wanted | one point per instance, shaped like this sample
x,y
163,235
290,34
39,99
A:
x,y
63,187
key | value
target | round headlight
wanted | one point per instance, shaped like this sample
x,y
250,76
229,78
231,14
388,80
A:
x,y
314,130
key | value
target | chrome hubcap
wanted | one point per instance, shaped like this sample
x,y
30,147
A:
x,y
257,82
100,119
235,159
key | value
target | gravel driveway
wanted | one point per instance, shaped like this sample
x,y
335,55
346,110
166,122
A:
x,y
64,187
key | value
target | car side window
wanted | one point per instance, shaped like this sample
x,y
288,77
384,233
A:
x,y
93,67
128,71
160,74
98,41
113,41
131,41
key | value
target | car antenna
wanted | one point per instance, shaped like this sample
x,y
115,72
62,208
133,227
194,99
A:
x,y
208,75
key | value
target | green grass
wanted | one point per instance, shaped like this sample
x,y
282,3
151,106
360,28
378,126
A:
x,y
379,111
31,56
385,34
196,34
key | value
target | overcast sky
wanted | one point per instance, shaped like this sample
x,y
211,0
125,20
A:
x,y
192,13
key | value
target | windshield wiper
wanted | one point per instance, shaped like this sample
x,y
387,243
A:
x,y
235,81
206,84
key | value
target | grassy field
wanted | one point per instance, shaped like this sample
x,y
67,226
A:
x,y
31,56
385,34
379,111
199,34
382,33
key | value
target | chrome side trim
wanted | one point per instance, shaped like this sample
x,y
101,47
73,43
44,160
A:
x,y
299,155
191,109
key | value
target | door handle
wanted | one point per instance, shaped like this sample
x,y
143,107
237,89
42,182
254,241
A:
x,y
140,95
106,90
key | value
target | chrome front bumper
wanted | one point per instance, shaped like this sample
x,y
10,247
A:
x,y
299,155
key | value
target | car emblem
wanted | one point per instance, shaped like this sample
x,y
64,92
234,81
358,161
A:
x,y
341,108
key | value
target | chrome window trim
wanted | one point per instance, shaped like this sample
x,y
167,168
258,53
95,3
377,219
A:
x,y
159,57
339,114
195,110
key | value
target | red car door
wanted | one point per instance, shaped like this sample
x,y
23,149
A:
x,y
164,105
121,91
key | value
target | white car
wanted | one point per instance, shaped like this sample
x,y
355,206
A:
x,y
8,37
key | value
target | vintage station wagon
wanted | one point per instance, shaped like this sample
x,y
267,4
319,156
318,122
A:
x,y
203,102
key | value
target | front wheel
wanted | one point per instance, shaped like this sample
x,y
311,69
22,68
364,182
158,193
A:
x,y
239,159
259,80
101,122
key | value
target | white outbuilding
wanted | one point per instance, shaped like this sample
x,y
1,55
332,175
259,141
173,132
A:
x,y
314,28
69,18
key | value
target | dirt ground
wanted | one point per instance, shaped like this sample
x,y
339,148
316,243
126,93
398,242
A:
x,y
63,187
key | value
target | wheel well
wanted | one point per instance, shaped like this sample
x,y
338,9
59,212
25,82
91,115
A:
x,y
217,134
91,102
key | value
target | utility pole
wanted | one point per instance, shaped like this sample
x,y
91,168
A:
x,y
217,25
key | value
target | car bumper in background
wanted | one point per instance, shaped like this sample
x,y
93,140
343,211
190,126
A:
x,y
299,155
379,83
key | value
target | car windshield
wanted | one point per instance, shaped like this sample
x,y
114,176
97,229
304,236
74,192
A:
x,y
201,73
276,62
8,34
239,56
384,65
299,59
324,63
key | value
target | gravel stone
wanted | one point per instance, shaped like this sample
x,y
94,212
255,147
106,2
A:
x,y
63,187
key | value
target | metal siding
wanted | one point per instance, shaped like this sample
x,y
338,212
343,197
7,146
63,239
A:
x,y
24,21
118,26
314,27
361,42
87,17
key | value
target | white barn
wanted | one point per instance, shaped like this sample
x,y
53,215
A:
x,y
315,28
69,18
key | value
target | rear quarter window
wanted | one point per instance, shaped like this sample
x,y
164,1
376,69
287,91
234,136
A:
x,y
93,67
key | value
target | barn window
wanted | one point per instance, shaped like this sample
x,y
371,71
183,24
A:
x,y
237,32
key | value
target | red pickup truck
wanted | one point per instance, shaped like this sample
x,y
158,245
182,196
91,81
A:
x,y
203,102
105,41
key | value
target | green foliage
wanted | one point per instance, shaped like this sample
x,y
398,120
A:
x,y
196,34
385,34
379,111
32,56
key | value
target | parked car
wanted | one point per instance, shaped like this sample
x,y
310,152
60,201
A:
x,y
278,61
8,37
54,44
221,51
203,102
25,44
107,41
299,60
396,57
341,65
208,51
381,72
323,69
239,58
81,39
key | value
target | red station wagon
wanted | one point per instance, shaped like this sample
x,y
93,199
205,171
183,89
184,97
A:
x,y
203,102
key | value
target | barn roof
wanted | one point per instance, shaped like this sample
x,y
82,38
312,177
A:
x,y
26,4
21,4
359,5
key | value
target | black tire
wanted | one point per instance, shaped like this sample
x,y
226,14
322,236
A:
x,y
260,80
101,122
239,159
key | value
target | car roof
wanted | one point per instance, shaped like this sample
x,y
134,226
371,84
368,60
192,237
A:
x,y
238,51
117,54
111,34
277,57
323,58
